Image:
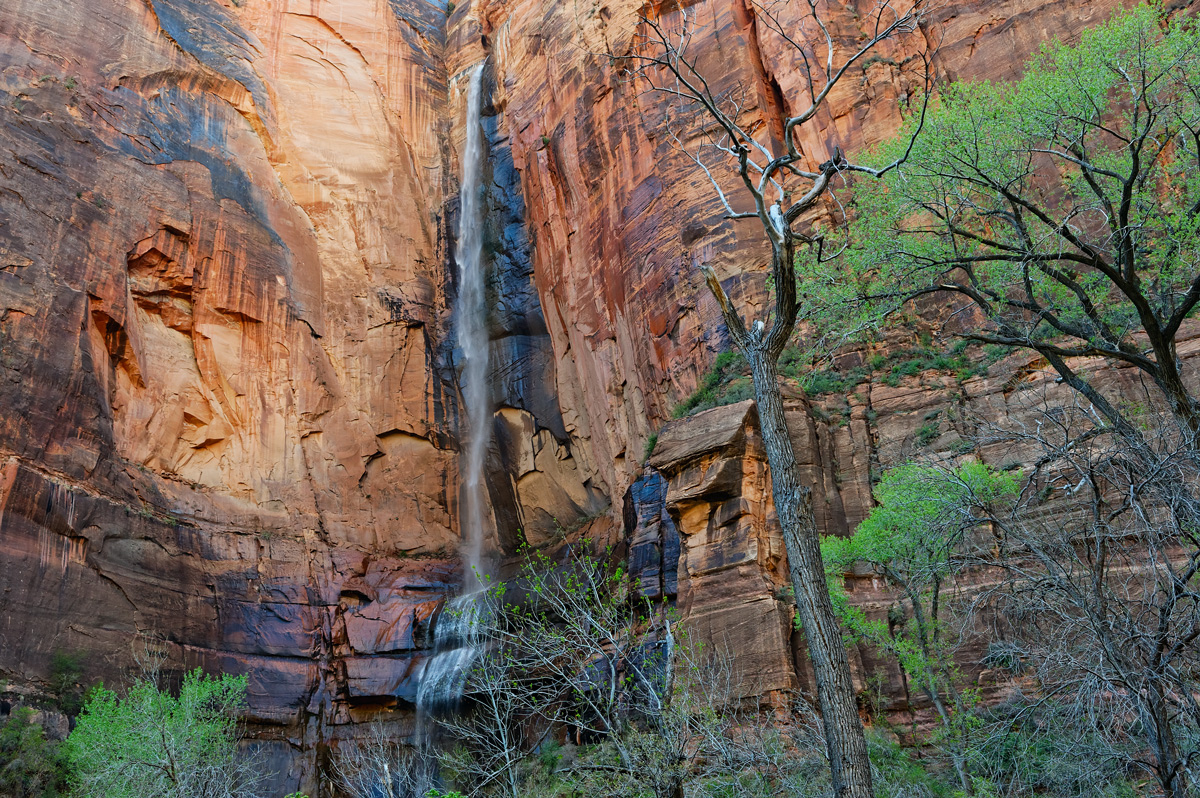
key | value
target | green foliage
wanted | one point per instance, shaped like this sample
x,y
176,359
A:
x,y
1043,749
648,450
30,765
151,743
922,516
916,538
728,381
928,433
725,383
891,369
898,771
1054,205
66,669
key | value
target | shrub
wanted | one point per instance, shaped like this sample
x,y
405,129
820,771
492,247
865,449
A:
x,y
725,383
66,669
30,765
152,743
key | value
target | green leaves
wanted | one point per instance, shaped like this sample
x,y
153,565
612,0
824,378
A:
x,y
1065,207
917,539
151,743
30,765
922,515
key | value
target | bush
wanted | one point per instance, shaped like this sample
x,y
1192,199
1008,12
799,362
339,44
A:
x,y
928,433
151,743
66,669
725,383
30,765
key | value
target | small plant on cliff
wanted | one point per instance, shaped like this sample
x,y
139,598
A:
x,y
150,742
724,383
66,669
648,450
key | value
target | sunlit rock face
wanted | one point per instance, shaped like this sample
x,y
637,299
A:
x,y
228,388
228,408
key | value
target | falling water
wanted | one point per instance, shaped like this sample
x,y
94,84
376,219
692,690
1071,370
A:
x,y
473,335
458,645
457,632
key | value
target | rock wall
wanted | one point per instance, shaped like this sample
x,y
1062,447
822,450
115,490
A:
x,y
619,218
712,515
228,402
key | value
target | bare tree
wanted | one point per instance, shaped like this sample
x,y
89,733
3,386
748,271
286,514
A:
x,y
380,766
724,135
639,707
1105,599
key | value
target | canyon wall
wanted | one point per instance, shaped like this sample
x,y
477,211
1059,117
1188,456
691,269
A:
x,y
228,403
228,399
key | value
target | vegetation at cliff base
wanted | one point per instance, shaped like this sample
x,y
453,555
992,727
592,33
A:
x,y
31,766
151,742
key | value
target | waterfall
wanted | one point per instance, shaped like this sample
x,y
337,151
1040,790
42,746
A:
x,y
456,637
471,312
458,644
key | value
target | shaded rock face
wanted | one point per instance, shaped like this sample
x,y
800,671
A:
x,y
228,400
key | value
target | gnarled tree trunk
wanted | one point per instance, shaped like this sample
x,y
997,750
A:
x,y
793,504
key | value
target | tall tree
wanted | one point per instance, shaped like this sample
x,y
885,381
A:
x,y
751,153
1064,209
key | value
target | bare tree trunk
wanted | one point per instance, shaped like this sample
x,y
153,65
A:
x,y
793,504
1162,740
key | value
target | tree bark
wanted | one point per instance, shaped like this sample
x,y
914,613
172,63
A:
x,y
793,504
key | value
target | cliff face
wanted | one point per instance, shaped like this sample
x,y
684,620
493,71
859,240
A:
x,y
228,401
620,217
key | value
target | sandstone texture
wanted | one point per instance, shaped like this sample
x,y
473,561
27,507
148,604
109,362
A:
x,y
228,402
229,409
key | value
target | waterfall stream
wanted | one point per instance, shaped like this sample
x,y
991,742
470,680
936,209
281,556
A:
x,y
471,312
457,642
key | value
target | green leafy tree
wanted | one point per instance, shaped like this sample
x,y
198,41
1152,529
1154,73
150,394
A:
x,y
66,670
153,743
918,538
30,765
1064,209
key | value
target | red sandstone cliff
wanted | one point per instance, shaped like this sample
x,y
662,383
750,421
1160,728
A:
x,y
228,411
